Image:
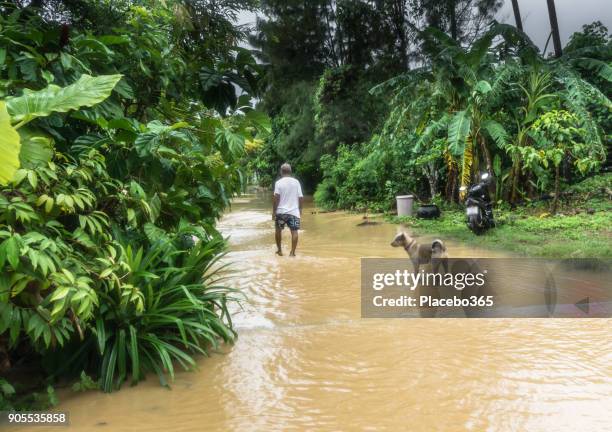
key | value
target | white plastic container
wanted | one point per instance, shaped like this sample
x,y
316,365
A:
x,y
404,205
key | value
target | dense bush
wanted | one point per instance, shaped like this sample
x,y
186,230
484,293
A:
x,y
291,138
367,177
114,170
494,106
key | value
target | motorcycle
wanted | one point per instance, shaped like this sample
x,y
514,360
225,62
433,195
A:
x,y
478,208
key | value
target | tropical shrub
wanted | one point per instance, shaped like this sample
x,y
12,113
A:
x,y
486,107
120,147
561,138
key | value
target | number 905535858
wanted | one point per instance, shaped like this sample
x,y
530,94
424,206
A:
x,y
34,418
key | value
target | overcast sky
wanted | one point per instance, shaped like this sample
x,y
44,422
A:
x,y
571,14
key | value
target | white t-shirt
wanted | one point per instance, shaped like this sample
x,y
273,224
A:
x,y
290,192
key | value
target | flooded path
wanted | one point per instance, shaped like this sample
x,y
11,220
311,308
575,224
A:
x,y
305,360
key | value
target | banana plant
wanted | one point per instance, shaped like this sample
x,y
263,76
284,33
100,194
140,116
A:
x,y
470,121
538,97
16,112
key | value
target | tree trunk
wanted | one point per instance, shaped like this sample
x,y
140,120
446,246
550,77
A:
x,y
453,19
517,15
485,152
516,172
451,179
432,177
529,184
398,19
5,362
556,200
554,27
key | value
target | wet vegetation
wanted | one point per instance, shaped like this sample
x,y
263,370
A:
x,y
127,126
425,110
123,130
420,97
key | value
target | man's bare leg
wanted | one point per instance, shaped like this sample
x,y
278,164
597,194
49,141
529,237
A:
x,y
278,236
294,241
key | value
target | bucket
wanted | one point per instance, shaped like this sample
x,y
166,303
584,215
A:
x,y
404,205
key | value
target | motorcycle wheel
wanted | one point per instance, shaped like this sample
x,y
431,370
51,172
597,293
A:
x,y
473,225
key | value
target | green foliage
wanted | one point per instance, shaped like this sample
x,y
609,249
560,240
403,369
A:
x,y
162,305
7,391
369,179
561,136
292,138
596,185
85,92
85,383
345,111
458,131
11,400
494,105
108,249
10,146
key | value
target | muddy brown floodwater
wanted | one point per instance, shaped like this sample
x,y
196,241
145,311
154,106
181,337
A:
x,y
305,360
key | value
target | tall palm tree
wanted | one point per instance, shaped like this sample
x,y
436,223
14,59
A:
x,y
554,27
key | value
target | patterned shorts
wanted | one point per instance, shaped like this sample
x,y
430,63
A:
x,y
291,221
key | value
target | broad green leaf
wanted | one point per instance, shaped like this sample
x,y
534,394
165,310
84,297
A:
x,y
60,293
210,78
260,119
6,388
86,91
155,206
92,44
482,87
114,39
497,132
11,248
235,143
497,166
36,148
602,68
458,131
9,147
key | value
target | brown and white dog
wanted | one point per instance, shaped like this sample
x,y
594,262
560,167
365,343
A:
x,y
423,254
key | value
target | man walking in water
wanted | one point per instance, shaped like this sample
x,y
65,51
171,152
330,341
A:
x,y
287,207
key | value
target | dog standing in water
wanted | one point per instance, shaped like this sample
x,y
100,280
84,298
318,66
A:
x,y
423,254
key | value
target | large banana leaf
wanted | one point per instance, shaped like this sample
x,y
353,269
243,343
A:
x,y
458,131
497,132
85,92
36,148
9,147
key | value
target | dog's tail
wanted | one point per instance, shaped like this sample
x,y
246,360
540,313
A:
x,y
438,244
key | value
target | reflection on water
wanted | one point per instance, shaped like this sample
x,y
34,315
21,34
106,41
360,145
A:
x,y
305,360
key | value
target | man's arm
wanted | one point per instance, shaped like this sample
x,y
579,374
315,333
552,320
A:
x,y
300,197
275,201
